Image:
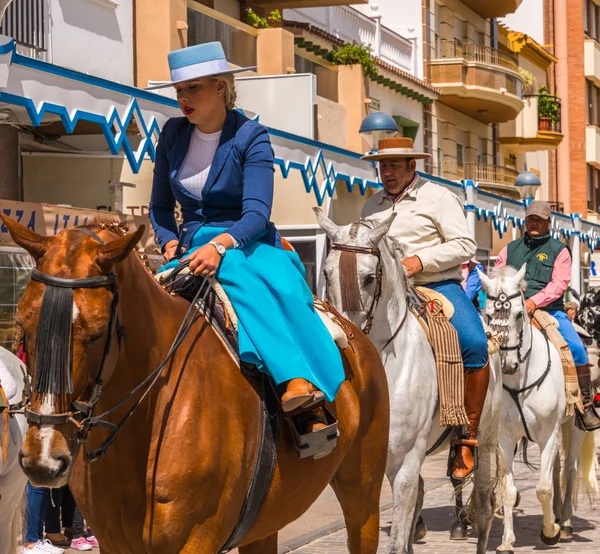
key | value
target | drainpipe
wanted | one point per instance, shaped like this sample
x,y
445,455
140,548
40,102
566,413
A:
x,y
562,91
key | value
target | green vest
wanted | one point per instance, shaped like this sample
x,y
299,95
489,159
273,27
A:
x,y
539,255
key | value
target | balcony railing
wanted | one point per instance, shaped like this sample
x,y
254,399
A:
x,y
557,207
471,52
26,21
237,38
488,173
549,113
350,25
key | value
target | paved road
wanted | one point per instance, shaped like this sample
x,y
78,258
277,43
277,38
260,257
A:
x,y
438,515
318,531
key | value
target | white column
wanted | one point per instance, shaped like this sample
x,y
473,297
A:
x,y
377,18
471,200
576,255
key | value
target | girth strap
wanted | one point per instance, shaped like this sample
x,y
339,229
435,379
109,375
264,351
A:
x,y
264,467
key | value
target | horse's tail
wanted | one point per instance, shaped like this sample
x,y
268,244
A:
x,y
586,469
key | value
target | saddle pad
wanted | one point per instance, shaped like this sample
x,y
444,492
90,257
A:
x,y
549,324
329,319
7,382
447,306
434,295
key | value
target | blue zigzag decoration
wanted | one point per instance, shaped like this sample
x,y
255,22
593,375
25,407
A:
x,y
116,140
310,170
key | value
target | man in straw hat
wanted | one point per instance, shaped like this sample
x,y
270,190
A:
x,y
548,275
431,224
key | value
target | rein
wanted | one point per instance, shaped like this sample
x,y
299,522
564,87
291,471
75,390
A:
x,y
503,302
83,414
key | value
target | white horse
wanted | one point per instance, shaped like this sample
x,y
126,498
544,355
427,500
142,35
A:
x,y
533,407
411,372
12,478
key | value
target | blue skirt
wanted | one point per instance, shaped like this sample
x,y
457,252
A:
x,y
279,330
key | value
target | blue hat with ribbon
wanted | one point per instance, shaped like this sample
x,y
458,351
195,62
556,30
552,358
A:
x,y
196,62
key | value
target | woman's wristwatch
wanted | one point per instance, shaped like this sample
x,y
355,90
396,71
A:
x,y
221,250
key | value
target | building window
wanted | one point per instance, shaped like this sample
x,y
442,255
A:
x,y
593,101
15,269
460,156
591,20
482,151
593,180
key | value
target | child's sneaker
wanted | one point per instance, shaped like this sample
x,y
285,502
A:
x,y
93,541
80,543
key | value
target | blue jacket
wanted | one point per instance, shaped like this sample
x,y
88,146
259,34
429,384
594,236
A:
x,y
238,193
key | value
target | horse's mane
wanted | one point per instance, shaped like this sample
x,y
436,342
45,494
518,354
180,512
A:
x,y
507,272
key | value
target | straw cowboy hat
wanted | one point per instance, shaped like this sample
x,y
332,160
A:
x,y
395,147
196,62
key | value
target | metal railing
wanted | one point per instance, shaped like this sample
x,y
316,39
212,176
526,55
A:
x,y
557,207
472,52
26,21
549,113
237,38
350,25
454,170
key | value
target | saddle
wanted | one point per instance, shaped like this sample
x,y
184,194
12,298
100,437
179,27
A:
x,y
548,323
220,313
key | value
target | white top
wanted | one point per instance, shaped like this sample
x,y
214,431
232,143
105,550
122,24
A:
x,y
198,160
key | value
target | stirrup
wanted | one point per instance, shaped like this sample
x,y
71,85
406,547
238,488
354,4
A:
x,y
472,444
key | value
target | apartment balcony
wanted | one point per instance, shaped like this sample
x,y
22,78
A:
x,y
239,40
591,61
479,81
27,21
489,9
279,4
350,25
493,178
592,146
537,127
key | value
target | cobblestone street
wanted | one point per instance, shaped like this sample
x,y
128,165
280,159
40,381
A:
x,y
438,516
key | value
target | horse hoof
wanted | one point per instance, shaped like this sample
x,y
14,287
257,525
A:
x,y
420,530
505,552
550,541
566,532
458,532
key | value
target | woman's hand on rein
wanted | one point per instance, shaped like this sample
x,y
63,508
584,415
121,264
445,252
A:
x,y
170,249
205,261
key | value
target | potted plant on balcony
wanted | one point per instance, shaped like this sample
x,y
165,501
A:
x,y
547,110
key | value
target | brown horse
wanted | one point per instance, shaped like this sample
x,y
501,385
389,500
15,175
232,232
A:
x,y
177,476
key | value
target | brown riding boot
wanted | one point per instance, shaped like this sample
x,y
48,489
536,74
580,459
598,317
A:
x,y
476,385
300,394
589,419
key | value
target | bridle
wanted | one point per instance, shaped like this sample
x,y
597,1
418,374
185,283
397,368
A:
x,y
83,410
83,414
378,277
503,302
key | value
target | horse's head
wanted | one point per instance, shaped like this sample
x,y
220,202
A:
x,y
68,318
588,315
354,269
505,312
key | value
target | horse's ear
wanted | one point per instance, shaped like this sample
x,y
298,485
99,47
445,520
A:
x,y
330,228
520,276
377,234
117,250
485,280
35,244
